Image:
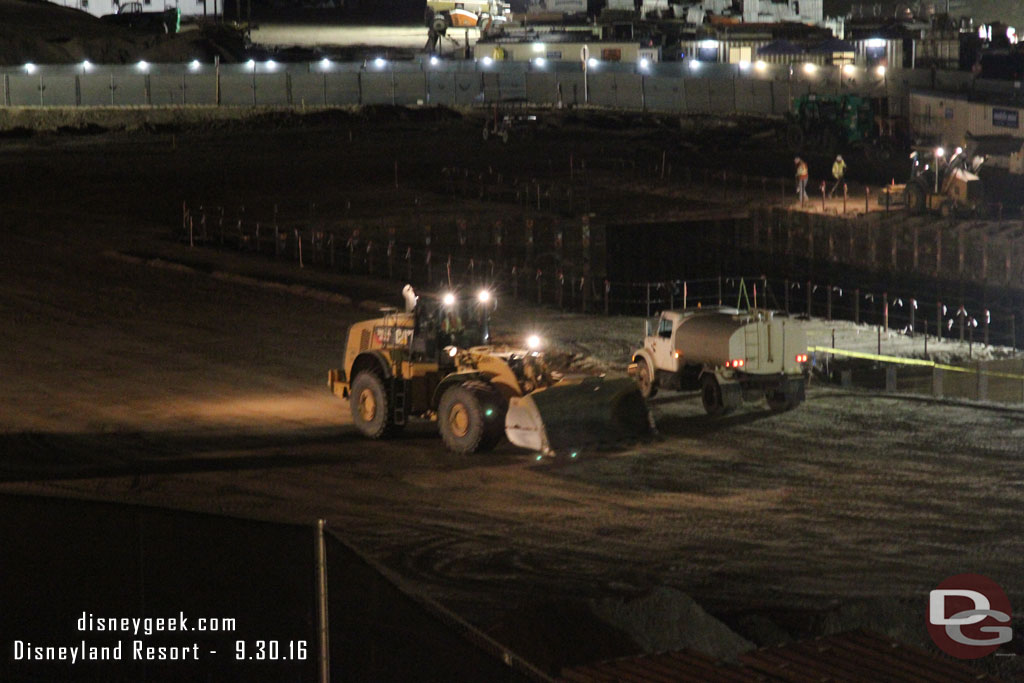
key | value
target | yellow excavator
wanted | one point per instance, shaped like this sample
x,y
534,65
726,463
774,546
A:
x,y
434,361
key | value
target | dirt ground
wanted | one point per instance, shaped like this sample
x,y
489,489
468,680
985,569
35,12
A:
x,y
174,384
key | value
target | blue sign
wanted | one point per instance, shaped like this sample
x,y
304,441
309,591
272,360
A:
x,y
1005,118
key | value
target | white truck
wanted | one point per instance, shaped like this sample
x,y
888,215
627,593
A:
x,y
730,355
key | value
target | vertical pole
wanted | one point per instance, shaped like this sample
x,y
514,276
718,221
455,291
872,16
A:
x,y
785,284
856,306
885,310
938,321
323,628
719,290
828,309
809,297
607,293
648,299
913,308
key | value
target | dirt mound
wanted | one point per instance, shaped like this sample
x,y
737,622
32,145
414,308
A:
x,y
44,33
667,619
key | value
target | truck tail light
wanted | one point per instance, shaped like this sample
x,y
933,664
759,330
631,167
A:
x,y
675,354
735,363
801,358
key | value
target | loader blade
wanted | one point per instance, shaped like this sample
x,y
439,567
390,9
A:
x,y
577,413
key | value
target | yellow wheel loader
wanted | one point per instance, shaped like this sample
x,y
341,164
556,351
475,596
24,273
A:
x,y
433,361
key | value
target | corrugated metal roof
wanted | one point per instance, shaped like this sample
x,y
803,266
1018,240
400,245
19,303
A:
x,y
852,656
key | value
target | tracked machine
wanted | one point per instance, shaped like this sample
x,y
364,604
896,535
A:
x,y
433,361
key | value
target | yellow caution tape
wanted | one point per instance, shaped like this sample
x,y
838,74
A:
x,y
900,360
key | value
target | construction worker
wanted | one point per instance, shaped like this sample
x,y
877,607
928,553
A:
x,y
838,172
801,179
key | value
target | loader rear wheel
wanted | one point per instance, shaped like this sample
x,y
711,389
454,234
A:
x,y
464,421
371,406
645,378
711,396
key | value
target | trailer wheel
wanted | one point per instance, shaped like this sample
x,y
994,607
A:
x,y
371,406
463,420
645,378
711,395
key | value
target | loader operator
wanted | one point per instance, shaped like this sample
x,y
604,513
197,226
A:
x,y
451,326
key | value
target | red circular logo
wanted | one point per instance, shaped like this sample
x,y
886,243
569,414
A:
x,y
969,616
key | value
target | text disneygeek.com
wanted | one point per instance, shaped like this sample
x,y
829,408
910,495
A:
x,y
136,648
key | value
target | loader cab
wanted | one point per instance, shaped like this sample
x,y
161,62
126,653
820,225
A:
x,y
450,319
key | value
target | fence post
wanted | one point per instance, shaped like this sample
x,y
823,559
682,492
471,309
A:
x,y
719,290
323,629
938,321
913,307
607,292
856,306
885,310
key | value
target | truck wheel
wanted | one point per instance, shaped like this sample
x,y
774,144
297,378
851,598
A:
x,y
645,378
371,406
711,395
461,419
778,401
787,398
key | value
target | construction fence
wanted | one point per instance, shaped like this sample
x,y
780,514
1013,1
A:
x,y
559,263
669,87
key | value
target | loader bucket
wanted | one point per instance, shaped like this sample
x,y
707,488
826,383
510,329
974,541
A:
x,y
577,413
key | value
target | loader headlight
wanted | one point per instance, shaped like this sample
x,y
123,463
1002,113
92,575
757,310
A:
x,y
533,342
452,351
448,299
483,296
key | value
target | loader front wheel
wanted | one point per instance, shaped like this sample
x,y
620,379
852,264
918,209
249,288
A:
x,y
370,406
460,419
711,396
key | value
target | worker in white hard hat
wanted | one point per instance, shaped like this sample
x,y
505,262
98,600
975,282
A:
x,y
838,172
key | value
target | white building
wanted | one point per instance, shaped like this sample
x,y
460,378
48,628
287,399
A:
x,y
189,8
752,11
